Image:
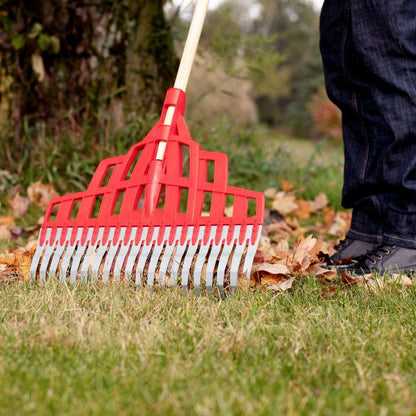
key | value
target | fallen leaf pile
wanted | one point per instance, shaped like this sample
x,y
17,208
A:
x,y
15,264
292,209
289,248
275,267
41,194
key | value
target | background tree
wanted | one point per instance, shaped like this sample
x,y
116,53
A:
x,y
278,42
64,59
295,24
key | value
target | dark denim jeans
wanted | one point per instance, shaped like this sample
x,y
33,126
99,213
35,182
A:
x,y
369,54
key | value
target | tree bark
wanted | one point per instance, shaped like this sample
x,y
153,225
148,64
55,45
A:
x,y
150,58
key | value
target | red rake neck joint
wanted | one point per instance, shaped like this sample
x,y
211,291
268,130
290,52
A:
x,y
153,188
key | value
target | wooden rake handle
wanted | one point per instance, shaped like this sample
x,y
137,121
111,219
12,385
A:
x,y
191,44
188,56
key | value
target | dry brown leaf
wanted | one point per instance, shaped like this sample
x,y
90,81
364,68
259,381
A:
x,y
7,258
382,282
262,257
282,286
349,280
278,230
24,259
286,186
283,246
17,262
19,205
303,210
328,275
329,290
228,211
320,202
341,224
274,269
7,221
329,215
284,203
5,233
265,245
42,194
270,192
298,231
302,253
322,246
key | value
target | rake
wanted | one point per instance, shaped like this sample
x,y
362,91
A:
x,y
156,215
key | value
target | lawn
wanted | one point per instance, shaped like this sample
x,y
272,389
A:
x,y
113,349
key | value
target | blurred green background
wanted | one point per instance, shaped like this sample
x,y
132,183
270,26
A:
x,y
84,80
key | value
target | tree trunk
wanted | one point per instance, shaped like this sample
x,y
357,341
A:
x,y
150,58
66,57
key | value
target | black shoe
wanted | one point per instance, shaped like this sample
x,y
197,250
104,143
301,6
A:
x,y
385,258
348,249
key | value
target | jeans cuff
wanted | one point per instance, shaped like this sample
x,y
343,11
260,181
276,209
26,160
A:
x,y
400,229
399,241
365,226
369,238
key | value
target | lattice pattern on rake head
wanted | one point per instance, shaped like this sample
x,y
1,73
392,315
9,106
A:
x,y
131,217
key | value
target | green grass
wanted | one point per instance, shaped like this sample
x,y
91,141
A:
x,y
258,157
112,349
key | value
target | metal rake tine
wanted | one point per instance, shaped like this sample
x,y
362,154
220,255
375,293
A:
x,y
76,262
59,250
69,251
35,261
77,259
85,266
124,250
66,259
215,251
87,258
176,262
251,252
165,262
100,253
119,261
199,264
144,253
167,255
225,254
134,251
189,256
95,267
235,264
143,257
131,260
154,259
111,253
47,254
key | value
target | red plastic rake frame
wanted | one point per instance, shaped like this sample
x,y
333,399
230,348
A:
x,y
130,197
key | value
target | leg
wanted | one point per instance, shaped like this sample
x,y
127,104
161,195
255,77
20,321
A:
x,y
337,48
369,56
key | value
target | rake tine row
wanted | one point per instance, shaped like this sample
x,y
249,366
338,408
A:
x,y
156,263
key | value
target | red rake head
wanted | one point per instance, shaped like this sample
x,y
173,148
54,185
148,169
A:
x,y
188,188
